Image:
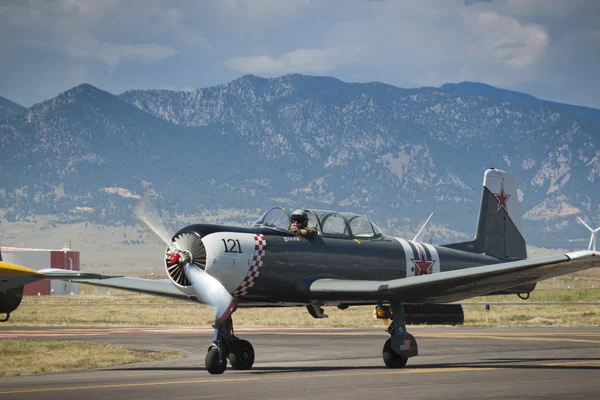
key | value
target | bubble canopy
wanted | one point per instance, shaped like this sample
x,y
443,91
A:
x,y
328,223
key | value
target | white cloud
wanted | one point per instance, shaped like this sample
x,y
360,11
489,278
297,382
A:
x,y
174,22
301,60
262,10
86,47
555,8
94,9
191,37
506,40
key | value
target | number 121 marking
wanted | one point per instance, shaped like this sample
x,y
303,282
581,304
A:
x,y
234,246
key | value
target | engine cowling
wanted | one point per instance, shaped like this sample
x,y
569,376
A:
x,y
10,299
433,314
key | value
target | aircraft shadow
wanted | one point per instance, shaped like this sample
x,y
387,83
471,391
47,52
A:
x,y
502,363
253,370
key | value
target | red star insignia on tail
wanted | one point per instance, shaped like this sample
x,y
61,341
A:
x,y
502,198
423,265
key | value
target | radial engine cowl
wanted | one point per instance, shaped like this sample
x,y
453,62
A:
x,y
185,248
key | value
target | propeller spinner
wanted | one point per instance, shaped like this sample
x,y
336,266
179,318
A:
x,y
186,248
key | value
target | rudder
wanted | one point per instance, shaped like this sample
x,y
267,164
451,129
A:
x,y
499,228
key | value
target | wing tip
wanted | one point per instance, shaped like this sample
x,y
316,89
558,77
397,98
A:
x,y
576,255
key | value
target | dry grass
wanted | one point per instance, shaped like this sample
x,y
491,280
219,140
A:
x,y
20,357
534,315
523,313
121,309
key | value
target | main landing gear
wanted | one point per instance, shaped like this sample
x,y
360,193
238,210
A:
x,y
225,346
401,345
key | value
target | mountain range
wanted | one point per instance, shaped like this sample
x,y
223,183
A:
x,y
9,108
238,148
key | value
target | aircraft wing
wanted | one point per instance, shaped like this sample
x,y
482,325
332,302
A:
x,y
12,275
157,287
445,287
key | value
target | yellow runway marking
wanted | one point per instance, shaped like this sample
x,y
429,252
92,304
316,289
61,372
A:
x,y
495,336
230,380
589,363
520,338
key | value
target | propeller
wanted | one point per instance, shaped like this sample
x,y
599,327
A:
x,y
592,244
146,213
208,289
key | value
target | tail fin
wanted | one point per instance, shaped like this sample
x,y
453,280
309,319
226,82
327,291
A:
x,y
499,229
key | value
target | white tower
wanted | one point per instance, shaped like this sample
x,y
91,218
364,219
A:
x,y
592,245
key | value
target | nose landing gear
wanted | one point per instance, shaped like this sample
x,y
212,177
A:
x,y
226,346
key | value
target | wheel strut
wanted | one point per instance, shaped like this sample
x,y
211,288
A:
x,y
401,345
226,345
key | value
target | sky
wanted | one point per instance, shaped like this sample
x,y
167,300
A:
x,y
547,48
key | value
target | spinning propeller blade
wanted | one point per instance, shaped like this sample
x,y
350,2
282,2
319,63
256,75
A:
x,y
146,213
210,291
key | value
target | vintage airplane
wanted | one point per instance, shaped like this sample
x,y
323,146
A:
x,y
350,262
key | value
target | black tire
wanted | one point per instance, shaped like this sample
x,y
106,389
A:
x,y
241,356
213,364
391,358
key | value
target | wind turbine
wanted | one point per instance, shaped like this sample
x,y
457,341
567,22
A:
x,y
592,245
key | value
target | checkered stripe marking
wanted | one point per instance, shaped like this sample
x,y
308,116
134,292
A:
x,y
260,248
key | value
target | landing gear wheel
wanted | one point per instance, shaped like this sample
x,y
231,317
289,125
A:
x,y
241,355
213,364
391,358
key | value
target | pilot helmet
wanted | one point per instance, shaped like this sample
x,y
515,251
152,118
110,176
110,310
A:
x,y
300,215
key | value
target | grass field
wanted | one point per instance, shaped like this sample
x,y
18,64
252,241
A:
x,y
124,309
20,357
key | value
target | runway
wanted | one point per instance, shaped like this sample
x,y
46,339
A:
x,y
465,363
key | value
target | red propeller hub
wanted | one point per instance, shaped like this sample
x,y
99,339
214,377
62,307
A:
x,y
174,258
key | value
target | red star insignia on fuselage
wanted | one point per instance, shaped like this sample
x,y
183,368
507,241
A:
x,y
423,265
502,198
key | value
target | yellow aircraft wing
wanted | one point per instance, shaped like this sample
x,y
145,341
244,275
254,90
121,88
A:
x,y
7,269
12,275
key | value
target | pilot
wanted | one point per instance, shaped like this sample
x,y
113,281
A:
x,y
300,225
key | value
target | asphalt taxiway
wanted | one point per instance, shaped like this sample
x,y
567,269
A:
x,y
465,363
